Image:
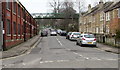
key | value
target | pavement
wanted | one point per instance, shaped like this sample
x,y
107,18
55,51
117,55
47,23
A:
x,y
20,49
108,48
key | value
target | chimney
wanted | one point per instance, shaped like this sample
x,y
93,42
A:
x,y
89,8
101,3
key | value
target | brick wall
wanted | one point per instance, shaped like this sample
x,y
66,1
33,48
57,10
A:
x,y
22,25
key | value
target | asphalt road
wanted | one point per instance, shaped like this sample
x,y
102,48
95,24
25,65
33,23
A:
x,y
58,52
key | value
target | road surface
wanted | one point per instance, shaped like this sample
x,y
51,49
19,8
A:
x,y
58,52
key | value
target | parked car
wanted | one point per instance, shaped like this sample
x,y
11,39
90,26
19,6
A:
x,y
74,35
68,35
44,33
63,33
53,33
59,31
86,39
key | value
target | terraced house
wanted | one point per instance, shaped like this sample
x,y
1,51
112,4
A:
x,y
18,24
103,19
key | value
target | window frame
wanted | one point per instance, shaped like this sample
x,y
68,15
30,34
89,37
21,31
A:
x,y
8,27
118,12
15,28
19,29
15,7
8,5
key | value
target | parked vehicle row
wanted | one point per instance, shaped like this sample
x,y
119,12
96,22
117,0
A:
x,y
82,39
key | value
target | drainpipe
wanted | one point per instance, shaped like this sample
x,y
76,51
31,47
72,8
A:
x,y
1,27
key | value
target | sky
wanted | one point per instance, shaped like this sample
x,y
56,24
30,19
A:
x,y
42,6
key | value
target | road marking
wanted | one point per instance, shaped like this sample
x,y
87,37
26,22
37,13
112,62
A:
x,y
24,64
53,61
75,53
41,62
111,59
59,42
86,58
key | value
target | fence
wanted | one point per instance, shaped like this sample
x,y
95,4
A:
x,y
108,40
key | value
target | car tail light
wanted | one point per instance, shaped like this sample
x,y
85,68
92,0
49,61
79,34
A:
x,y
95,39
83,39
72,35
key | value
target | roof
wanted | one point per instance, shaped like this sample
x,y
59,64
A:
x,y
99,7
114,6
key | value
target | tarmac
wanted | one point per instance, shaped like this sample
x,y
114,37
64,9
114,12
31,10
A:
x,y
28,45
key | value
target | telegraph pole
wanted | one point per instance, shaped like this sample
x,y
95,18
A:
x,y
1,27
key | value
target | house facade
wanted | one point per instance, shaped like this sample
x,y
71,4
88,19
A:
x,y
102,19
18,24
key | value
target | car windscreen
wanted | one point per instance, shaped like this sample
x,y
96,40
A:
x,y
89,36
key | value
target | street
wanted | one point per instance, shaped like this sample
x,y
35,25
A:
x,y
58,52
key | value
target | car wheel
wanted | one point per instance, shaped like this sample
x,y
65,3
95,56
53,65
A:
x,y
77,43
80,44
95,46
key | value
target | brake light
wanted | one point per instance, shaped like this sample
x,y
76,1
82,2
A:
x,y
72,35
83,39
95,39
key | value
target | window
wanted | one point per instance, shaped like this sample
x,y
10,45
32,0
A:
x,y
15,30
19,10
8,28
18,28
14,7
8,6
107,16
119,13
101,17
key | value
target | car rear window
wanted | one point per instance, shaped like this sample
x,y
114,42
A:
x,y
76,33
89,36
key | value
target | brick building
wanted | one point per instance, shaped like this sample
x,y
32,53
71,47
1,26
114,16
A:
x,y
114,11
102,19
18,24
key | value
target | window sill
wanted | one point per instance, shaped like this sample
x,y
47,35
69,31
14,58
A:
x,y
8,34
8,9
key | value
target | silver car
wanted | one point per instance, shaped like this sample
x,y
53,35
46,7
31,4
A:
x,y
86,39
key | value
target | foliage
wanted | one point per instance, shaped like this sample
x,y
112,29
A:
x,y
118,34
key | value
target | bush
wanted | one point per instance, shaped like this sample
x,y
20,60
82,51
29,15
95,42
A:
x,y
118,34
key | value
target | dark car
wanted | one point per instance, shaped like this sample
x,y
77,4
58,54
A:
x,y
63,33
44,33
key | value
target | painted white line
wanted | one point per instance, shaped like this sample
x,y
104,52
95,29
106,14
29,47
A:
x,y
75,53
86,58
62,60
96,59
111,59
59,42
23,64
41,62
81,55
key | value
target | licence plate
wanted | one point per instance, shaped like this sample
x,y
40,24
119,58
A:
x,y
89,42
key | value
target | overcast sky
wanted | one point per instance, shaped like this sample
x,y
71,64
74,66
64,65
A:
x,y
42,6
